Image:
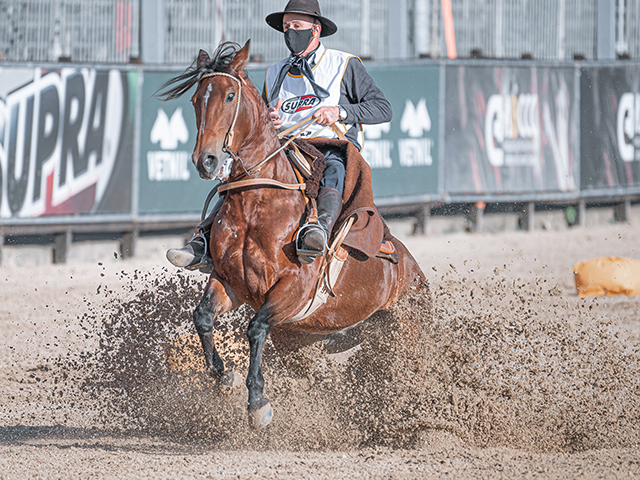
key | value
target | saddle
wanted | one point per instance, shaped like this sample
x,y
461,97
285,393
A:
x,y
359,226
369,230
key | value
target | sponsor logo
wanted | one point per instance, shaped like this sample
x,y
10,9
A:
x,y
415,119
169,132
59,139
374,132
169,164
512,130
298,104
415,151
376,151
628,127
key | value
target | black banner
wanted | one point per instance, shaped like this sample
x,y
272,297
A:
x,y
66,141
510,130
610,127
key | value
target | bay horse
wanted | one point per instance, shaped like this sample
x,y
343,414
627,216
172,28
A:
x,y
252,238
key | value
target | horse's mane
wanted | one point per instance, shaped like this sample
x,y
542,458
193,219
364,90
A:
x,y
200,67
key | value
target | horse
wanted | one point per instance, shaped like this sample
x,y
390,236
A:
x,y
252,240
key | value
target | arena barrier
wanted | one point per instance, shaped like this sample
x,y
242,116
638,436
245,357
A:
x,y
88,150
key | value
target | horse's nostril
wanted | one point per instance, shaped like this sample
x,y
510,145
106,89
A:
x,y
210,162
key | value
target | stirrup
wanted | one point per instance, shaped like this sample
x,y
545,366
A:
x,y
205,262
307,255
198,261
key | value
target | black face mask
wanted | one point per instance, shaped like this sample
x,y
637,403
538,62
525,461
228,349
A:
x,y
298,40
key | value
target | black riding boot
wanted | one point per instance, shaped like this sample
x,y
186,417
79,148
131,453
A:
x,y
314,238
195,254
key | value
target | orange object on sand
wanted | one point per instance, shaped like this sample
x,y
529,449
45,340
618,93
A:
x,y
607,276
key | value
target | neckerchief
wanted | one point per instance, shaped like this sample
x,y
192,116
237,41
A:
x,y
298,65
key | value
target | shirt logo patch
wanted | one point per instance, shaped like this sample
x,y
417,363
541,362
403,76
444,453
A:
x,y
297,104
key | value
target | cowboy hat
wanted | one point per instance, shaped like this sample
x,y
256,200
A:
x,y
306,7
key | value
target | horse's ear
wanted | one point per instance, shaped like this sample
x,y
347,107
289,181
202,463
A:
x,y
203,57
240,60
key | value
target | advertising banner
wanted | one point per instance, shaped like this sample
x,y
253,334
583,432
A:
x,y
510,130
66,141
610,127
403,154
168,180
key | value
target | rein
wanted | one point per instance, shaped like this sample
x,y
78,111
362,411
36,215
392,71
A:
x,y
261,182
229,135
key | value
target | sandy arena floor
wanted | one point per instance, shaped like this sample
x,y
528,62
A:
x,y
516,377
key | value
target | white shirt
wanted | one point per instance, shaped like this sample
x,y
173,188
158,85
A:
x,y
299,100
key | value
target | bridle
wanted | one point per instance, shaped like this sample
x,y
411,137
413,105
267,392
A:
x,y
228,138
259,182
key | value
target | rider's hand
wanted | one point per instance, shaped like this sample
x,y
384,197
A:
x,y
327,115
275,116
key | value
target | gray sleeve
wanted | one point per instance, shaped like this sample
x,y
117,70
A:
x,y
264,92
361,98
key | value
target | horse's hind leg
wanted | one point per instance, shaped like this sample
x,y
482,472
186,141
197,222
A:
x,y
215,301
260,411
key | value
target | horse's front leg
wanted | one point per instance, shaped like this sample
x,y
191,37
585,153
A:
x,y
260,411
216,301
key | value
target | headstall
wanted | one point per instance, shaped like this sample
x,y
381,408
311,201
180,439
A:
x,y
226,149
228,138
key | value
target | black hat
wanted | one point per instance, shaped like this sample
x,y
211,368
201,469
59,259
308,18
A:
x,y
306,7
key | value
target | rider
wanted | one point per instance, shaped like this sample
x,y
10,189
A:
x,y
337,90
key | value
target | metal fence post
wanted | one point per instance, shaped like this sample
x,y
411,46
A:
x,y
128,243
397,29
423,215
421,28
582,213
365,29
474,217
152,31
527,216
562,14
606,38
622,211
62,245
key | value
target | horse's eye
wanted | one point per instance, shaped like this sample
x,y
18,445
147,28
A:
x,y
230,97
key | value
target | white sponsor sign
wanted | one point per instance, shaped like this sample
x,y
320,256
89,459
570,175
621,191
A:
x,y
414,151
512,130
169,164
628,127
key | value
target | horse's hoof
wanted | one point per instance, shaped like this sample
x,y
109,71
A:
x,y
261,416
229,382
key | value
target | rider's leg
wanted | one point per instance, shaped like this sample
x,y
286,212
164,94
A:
x,y
329,206
195,254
